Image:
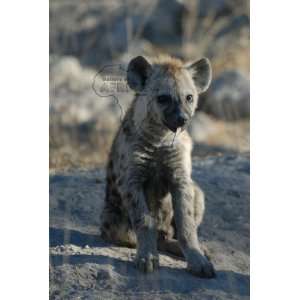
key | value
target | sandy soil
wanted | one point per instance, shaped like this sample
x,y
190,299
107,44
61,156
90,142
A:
x,y
84,267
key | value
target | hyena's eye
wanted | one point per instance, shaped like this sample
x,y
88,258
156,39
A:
x,y
189,98
164,99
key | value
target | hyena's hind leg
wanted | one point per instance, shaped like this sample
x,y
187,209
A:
x,y
163,211
199,208
165,228
199,204
116,230
115,225
171,244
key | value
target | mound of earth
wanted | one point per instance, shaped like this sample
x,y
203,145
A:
x,y
84,267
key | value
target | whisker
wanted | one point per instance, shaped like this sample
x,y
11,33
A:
x,y
174,138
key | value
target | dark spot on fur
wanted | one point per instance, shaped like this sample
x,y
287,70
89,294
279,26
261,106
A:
x,y
118,213
113,177
106,225
138,222
126,130
114,192
189,212
129,195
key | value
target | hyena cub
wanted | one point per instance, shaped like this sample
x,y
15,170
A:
x,y
150,195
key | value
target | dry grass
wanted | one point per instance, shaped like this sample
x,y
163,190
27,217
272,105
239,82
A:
x,y
82,145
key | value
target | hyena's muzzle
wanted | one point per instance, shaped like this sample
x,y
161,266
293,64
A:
x,y
174,115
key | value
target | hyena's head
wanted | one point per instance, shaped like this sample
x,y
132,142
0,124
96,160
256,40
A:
x,y
168,89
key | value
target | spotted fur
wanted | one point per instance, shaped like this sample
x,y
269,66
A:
x,y
150,196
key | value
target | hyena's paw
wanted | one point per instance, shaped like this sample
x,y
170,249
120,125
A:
x,y
147,262
206,252
200,266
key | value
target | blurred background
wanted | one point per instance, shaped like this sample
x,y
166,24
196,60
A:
x,y
87,35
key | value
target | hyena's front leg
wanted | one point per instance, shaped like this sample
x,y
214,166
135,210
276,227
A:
x,y
183,203
144,227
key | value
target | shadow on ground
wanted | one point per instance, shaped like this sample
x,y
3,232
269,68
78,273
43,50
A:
x,y
60,236
173,280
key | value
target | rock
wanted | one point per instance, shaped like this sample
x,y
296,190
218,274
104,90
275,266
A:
x,y
75,92
228,97
67,73
164,26
220,8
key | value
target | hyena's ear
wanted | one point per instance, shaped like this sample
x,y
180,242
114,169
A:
x,y
137,72
202,74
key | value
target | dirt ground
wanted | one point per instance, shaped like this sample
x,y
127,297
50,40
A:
x,y
84,267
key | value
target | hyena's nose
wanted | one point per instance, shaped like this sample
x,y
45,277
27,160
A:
x,y
181,120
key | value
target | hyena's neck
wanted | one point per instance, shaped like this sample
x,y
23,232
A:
x,y
148,129
152,132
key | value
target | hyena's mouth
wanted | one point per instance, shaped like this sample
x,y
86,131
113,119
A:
x,y
170,127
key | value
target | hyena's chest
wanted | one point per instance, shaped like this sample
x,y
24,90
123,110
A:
x,y
158,171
